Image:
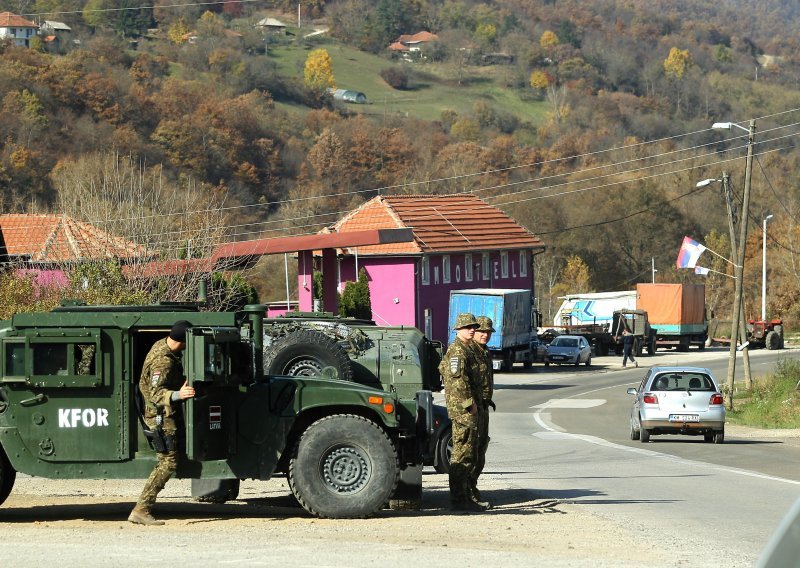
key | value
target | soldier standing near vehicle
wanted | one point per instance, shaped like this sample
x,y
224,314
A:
x,y
163,388
464,406
486,380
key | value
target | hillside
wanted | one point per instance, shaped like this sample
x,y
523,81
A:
x,y
592,131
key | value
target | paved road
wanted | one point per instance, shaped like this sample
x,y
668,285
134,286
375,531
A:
x,y
564,434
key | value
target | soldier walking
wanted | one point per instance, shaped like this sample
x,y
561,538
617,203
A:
x,y
464,406
164,389
486,381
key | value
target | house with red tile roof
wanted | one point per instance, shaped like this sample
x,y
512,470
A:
x,y
459,242
49,240
412,43
17,29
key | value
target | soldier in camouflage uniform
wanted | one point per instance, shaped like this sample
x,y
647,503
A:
x,y
163,388
486,380
463,397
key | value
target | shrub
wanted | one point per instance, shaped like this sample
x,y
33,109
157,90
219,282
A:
x,y
396,78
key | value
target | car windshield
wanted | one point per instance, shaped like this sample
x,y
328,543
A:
x,y
565,342
683,381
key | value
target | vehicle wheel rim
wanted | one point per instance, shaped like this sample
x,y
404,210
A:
x,y
345,470
304,368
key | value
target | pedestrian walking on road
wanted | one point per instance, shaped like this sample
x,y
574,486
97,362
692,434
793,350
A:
x,y
628,341
464,407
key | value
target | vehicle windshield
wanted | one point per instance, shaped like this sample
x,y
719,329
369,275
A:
x,y
682,381
565,342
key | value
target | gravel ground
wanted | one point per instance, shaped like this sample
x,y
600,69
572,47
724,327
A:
x,y
69,521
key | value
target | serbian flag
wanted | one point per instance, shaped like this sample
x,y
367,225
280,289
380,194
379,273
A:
x,y
701,271
689,253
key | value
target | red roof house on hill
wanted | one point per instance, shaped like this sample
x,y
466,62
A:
x,y
459,242
414,42
17,28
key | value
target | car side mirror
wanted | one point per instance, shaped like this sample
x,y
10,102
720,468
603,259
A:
x,y
631,390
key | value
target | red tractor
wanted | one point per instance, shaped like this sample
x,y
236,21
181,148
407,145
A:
x,y
767,334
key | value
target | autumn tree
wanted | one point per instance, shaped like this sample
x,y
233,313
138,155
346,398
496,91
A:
x,y
575,278
318,71
548,39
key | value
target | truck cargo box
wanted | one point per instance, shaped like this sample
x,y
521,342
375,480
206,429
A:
x,y
593,308
673,309
510,311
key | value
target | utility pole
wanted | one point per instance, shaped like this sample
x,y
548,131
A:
x,y
726,190
739,266
653,268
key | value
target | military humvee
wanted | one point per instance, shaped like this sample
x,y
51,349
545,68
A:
x,y
322,343
68,407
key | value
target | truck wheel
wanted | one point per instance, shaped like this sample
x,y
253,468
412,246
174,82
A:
x,y
306,353
344,466
651,347
773,340
7,477
444,448
508,361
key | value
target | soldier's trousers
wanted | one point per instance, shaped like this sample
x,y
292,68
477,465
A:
x,y
483,445
164,469
463,461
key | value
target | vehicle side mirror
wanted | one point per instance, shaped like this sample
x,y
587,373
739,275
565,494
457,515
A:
x,y
631,390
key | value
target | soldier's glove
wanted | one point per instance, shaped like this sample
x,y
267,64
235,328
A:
x,y
492,404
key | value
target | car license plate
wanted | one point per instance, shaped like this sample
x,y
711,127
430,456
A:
x,y
684,418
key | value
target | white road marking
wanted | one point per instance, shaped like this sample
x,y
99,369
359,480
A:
x,y
571,403
553,432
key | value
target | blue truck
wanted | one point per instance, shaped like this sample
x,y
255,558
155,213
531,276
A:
x,y
515,322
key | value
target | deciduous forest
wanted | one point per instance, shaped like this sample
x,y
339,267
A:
x,y
588,122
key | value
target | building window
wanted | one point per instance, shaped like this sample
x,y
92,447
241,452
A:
x,y
426,270
446,269
504,264
468,267
485,266
523,263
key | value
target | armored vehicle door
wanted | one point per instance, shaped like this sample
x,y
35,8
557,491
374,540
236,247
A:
x,y
210,368
68,405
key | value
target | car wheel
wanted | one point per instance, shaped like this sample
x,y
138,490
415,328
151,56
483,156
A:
x,y
444,449
719,437
577,359
344,466
634,432
644,434
589,361
307,353
546,363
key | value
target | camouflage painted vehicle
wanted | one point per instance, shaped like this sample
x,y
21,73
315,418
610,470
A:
x,y
321,343
68,408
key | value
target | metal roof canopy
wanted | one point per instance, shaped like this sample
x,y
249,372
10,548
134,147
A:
x,y
245,254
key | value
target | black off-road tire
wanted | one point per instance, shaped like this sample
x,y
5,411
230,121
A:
x,y
306,353
7,476
344,466
773,340
444,447
215,490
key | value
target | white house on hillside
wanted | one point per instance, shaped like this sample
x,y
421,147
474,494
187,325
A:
x,y
17,29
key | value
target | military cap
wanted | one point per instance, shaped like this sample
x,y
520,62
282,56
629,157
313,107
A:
x,y
178,331
465,320
484,323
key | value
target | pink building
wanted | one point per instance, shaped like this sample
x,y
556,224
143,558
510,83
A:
x,y
459,242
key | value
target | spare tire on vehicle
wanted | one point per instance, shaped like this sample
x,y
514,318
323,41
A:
x,y
308,353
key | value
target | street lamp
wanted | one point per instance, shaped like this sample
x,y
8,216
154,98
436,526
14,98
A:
x,y
739,272
764,269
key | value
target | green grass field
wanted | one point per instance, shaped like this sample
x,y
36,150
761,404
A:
x,y
773,402
433,87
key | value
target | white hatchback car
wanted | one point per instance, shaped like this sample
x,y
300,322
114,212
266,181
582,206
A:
x,y
678,400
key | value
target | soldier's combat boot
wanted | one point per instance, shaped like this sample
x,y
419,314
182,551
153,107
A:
x,y
468,505
142,516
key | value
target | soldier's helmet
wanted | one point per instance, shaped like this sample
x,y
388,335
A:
x,y
484,323
465,320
